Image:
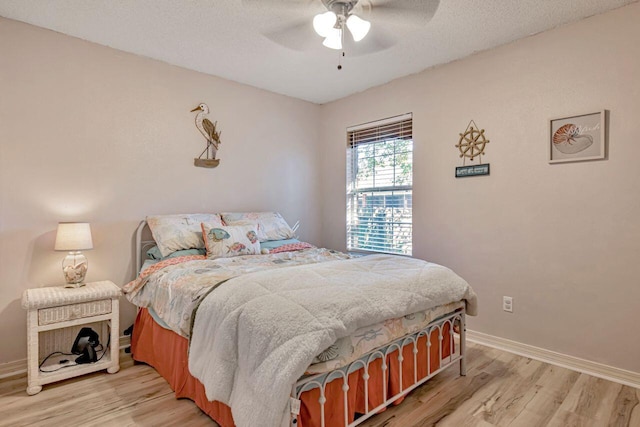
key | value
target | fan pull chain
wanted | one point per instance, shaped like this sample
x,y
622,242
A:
x,y
341,54
340,60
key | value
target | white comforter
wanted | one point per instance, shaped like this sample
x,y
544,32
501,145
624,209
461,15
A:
x,y
254,336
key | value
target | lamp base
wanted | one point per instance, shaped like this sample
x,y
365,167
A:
x,y
74,268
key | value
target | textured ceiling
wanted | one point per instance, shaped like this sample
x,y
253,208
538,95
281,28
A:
x,y
227,38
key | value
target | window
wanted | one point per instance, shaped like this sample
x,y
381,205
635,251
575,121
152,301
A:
x,y
379,186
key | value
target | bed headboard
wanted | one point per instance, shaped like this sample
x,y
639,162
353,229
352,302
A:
x,y
144,242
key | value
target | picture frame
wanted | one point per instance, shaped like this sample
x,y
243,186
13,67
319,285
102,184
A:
x,y
577,138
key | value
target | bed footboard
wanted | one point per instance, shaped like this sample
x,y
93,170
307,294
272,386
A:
x,y
410,361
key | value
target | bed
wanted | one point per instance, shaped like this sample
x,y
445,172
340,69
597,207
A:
x,y
364,368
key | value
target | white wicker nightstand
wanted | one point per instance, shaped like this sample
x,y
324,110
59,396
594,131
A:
x,y
55,316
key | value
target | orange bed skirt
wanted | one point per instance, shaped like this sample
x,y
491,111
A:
x,y
166,351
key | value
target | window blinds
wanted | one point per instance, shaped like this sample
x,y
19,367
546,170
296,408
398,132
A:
x,y
379,186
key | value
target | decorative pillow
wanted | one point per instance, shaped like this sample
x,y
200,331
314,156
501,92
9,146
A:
x,y
273,244
291,247
176,232
230,241
271,225
154,253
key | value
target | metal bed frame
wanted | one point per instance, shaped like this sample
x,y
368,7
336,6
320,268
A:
x,y
144,241
321,380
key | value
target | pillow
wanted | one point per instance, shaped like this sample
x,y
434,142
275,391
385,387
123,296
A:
x,y
295,245
154,253
271,225
230,241
273,244
176,232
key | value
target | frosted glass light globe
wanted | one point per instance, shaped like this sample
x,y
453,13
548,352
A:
x,y
359,27
323,23
334,39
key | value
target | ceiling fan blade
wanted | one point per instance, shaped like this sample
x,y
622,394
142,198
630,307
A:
x,y
377,40
309,7
400,12
298,36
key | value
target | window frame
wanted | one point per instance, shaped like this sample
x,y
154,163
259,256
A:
x,y
397,128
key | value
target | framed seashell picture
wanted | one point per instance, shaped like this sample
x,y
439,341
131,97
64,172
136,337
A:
x,y
577,138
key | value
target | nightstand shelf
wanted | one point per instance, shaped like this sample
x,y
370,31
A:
x,y
55,315
71,366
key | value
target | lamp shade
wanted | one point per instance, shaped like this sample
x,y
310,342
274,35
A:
x,y
73,236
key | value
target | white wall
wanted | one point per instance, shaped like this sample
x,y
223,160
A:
x,y
90,133
563,239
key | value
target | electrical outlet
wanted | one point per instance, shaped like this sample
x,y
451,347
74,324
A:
x,y
507,304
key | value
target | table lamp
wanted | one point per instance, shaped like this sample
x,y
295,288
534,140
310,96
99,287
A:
x,y
74,237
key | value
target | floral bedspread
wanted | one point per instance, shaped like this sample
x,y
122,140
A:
x,y
174,288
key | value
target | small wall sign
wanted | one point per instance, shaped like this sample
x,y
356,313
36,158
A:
x,y
474,170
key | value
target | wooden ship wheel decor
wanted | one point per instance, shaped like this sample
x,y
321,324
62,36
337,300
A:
x,y
472,144
211,134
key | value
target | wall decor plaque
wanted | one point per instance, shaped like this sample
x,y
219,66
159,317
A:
x,y
577,138
471,145
211,134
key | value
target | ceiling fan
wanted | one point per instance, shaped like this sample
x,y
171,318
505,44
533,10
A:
x,y
372,24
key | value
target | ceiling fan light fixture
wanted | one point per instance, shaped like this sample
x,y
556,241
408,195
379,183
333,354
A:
x,y
323,23
333,39
358,27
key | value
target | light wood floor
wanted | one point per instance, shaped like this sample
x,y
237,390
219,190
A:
x,y
500,389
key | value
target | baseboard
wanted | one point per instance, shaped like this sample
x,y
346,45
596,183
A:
x,y
595,369
125,341
10,369
19,367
